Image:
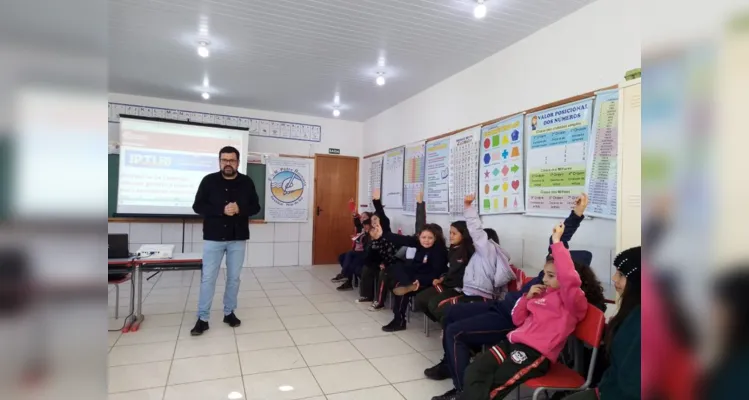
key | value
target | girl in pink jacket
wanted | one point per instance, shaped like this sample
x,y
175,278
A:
x,y
545,317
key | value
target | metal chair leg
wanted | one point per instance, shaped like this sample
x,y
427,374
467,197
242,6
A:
x,y
426,326
117,302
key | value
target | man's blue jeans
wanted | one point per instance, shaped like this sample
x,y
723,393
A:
x,y
213,252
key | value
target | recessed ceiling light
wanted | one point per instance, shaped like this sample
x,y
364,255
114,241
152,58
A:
x,y
381,62
203,49
380,79
206,83
337,99
336,112
480,10
205,96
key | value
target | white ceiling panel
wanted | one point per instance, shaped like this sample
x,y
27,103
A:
x,y
293,55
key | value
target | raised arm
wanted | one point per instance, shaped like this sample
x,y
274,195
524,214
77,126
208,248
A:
x,y
202,205
357,224
480,239
380,211
573,220
401,240
421,213
573,297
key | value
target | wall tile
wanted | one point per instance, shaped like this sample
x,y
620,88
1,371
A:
x,y
172,232
305,253
259,255
285,254
286,232
262,233
118,227
196,232
305,231
145,232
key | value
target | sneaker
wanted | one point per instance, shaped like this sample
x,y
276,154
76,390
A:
x,y
376,306
451,394
363,300
232,320
200,327
403,290
439,372
338,278
346,286
395,326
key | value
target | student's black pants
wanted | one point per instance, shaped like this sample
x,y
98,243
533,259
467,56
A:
x,y
371,274
436,300
402,275
494,373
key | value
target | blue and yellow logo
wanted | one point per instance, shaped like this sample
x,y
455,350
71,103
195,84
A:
x,y
287,186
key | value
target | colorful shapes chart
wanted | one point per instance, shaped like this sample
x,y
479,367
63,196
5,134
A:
x,y
502,157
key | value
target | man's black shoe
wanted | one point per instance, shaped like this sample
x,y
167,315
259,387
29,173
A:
x,y
232,320
200,327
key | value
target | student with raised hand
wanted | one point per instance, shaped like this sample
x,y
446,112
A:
x,y
623,339
377,257
429,262
350,259
470,326
545,317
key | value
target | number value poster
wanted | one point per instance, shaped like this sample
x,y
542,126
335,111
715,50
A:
x,y
392,179
413,176
464,161
287,192
375,178
601,180
557,157
501,167
437,173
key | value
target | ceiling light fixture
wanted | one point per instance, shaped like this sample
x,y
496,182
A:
x,y
380,79
203,49
205,96
336,112
337,99
480,10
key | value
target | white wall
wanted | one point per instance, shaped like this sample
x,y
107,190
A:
x,y
587,50
270,244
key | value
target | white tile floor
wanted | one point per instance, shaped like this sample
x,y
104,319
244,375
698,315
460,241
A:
x,y
299,339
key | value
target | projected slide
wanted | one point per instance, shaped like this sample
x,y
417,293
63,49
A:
x,y
162,163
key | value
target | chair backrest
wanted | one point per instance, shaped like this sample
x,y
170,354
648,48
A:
x,y
590,329
520,279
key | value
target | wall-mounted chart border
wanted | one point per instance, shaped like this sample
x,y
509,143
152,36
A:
x,y
255,126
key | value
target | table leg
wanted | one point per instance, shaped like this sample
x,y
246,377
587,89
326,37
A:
x,y
138,319
131,315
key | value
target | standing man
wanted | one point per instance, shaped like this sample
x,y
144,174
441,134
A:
x,y
226,200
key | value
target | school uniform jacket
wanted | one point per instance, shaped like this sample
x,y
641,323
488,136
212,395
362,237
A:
x,y
545,321
428,264
488,272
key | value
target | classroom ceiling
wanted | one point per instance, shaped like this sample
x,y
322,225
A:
x,y
294,55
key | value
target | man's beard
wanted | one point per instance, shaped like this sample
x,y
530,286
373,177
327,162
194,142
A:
x,y
228,171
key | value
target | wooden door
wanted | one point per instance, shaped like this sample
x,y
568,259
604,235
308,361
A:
x,y
336,181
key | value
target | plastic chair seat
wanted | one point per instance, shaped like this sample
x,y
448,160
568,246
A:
x,y
559,376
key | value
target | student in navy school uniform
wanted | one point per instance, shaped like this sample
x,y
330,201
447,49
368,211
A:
x,y
429,262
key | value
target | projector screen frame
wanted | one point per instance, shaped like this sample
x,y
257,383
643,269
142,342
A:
x,y
172,121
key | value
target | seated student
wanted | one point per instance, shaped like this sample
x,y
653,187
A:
x,y
485,275
545,317
429,263
623,340
354,260
470,326
373,263
488,272
360,220
725,379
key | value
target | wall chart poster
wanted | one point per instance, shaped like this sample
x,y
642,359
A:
x,y
436,191
375,178
287,192
413,176
557,157
501,167
601,180
464,161
392,179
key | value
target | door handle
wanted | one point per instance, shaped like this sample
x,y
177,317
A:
x,y
319,210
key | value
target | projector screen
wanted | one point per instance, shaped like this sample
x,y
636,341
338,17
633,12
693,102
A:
x,y
162,163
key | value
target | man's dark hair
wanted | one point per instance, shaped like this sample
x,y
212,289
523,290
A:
x,y
229,150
